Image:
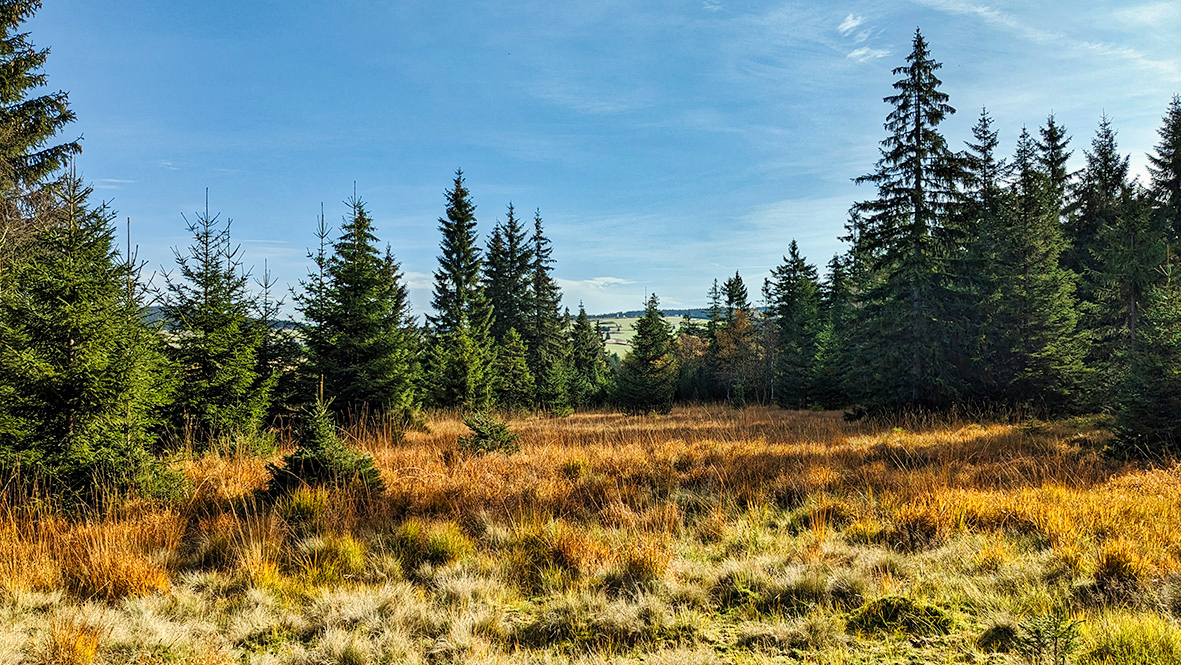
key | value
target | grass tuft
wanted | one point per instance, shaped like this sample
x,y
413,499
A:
x,y
899,614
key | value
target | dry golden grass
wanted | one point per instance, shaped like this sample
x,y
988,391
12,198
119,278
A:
x,y
599,506
119,554
691,470
70,641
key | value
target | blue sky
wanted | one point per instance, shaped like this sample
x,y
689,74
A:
x,y
666,143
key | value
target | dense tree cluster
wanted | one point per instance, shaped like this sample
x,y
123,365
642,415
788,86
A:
x,y
970,280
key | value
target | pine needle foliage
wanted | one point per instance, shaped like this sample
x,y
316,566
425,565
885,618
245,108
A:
x,y
217,336
793,302
1031,348
460,350
545,324
320,458
588,362
513,386
1149,398
507,277
361,342
903,243
82,378
489,435
1164,166
647,377
28,124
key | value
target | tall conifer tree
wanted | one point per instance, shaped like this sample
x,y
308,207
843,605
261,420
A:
x,y
647,377
28,124
1097,200
979,216
1148,403
507,275
1165,168
1053,154
360,338
588,362
1031,353
461,350
81,376
903,240
218,336
793,303
545,324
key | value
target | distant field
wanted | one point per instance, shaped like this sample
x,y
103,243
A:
x,y
620,331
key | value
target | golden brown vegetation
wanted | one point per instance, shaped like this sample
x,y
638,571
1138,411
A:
x,y
708,535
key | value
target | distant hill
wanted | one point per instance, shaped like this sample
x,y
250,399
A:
x,y
696,313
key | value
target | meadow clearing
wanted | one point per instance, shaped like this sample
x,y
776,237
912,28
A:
x,y
710,535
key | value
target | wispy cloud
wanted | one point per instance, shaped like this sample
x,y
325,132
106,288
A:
x,y
1150,15
865,54
111,183
167,165
594,282
855,28
850,24
419,281
1170,69
712,5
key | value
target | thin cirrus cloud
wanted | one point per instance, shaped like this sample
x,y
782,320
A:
x,y
854,27
865,54
1167,68
850,24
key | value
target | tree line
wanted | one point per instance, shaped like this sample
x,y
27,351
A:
x,y
971,281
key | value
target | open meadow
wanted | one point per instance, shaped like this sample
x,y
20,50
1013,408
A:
x,y
711,535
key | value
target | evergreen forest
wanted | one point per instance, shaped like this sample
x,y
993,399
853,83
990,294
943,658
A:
x,y
973,282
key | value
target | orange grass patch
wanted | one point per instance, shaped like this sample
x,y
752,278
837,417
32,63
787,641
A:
x,y
654,479
109,558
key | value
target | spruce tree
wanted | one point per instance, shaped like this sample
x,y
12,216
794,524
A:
x,y
1164,166
507,275
980,218
513,386
904,243
833,342
1129,250
545,324
715,312
360,338
588,362
647,377
1148,402
1031,353
736,297
1098,196
1053,154
82,378
217,337
461,350
793,303
27,123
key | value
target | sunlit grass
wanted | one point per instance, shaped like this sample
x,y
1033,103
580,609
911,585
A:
x,y
709,535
